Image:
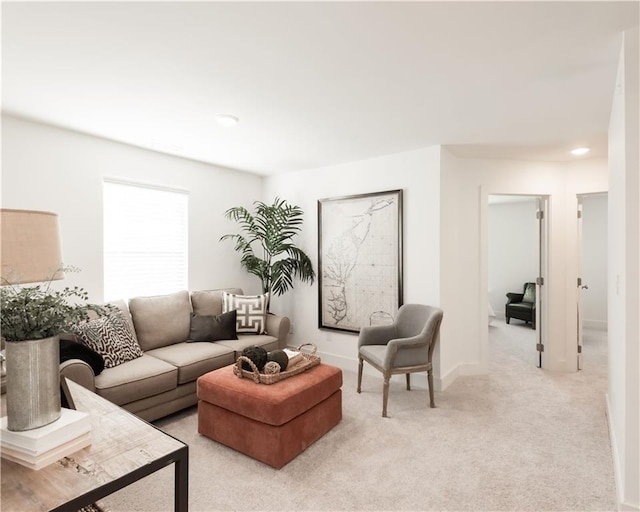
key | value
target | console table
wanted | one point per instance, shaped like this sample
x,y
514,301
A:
x,y
123,449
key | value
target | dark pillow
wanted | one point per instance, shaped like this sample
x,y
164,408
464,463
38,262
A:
x,y
73,350
213,328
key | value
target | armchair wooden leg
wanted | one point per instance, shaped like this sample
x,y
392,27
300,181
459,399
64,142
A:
x,y
385,394
432,402
408,375
359,374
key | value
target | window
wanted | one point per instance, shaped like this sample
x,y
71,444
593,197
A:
x,y
145,240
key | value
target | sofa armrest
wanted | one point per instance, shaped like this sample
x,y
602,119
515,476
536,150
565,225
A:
x,y
279,327
514,297
80,372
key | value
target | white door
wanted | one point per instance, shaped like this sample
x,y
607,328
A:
x,y
580,285
591,266
541,216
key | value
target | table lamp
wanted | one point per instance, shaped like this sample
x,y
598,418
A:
x,y
30,253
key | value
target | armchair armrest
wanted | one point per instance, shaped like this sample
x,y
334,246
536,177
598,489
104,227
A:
x,y
376,335
514,297
401,343
279,327
80,372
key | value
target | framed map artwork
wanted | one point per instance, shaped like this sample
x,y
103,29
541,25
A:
x,y
359,260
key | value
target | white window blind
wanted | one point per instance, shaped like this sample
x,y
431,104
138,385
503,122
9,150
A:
x,y
145,240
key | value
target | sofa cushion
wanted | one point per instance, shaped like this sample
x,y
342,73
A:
x,y
195,358
209,302
251,311
521,306
136,379
261,340
213,328
162,319
110,336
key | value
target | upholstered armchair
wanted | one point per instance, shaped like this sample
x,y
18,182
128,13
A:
x,y
406,346
522,305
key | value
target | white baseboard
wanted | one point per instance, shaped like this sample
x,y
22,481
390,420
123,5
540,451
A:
x,y
598,325
617,473
349,364
418,381
614,453
443,382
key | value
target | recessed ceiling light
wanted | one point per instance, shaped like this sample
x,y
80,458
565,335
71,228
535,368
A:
x,y
580,151
226,119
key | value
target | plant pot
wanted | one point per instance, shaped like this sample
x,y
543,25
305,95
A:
x,y
33,383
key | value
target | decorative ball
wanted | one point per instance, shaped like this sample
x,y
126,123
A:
x,y
279,357
258,355
271,368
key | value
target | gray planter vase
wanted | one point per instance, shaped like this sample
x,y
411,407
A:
x,y
33,383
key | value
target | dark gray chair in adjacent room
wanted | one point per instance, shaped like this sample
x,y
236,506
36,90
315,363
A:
x,y
406,346
522,305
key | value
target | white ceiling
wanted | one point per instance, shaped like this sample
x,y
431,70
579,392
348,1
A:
x,y
318,83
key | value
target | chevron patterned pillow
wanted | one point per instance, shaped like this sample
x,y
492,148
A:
x,y
251,311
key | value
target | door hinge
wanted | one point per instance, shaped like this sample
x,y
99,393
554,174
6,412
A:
x,y
579,349
540,281
539,215
579,281
539,347
579,214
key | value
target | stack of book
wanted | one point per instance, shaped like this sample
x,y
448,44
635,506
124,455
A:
x,y
39,447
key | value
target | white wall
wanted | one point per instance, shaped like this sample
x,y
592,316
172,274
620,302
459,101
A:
x,y
624,277
512,249
466,184
47,168
417,174
594,261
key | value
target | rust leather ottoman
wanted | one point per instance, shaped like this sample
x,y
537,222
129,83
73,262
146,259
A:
x,y
272,423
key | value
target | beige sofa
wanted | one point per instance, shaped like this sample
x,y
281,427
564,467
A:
x,y
163,380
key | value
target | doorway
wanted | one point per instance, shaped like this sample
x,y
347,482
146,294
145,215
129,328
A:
x,y
516,263
592,279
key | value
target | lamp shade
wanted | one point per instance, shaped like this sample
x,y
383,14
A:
x,y
30,246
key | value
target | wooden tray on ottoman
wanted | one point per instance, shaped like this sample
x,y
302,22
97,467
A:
x,y
309,360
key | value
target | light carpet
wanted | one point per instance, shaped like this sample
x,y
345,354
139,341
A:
x,y
520,439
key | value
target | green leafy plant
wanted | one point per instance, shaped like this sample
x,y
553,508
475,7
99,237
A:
x,y
38,312
271,229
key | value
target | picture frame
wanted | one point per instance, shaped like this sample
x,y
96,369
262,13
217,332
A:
x,y
360,253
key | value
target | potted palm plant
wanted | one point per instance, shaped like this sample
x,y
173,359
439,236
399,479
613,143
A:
x,y
266,244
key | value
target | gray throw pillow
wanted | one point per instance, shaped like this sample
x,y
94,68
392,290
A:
x,y
213,328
